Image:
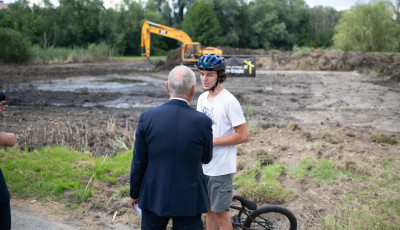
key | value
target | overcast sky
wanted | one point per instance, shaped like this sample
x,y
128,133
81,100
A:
x,y
337,4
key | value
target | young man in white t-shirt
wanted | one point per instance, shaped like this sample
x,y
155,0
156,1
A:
x,y
229,129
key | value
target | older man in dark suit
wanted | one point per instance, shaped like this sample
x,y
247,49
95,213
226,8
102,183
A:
x,y
7,140
172,141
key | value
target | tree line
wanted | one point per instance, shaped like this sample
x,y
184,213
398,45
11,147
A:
x,y
257,24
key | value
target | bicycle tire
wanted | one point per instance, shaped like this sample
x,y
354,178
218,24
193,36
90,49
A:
x,y
271,217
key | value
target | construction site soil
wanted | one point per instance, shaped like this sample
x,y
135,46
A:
x,y
96,106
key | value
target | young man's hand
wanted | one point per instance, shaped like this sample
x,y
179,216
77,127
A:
x,y
3,106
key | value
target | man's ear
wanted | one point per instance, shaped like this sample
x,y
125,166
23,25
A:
x,y
192,91
166,86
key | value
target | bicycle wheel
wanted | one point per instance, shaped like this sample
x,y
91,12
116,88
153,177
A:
x,y
271,217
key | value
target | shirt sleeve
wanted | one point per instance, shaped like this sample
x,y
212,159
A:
x,y
235,113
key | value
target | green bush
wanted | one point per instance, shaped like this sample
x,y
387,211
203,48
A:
x,y
99,52
14,47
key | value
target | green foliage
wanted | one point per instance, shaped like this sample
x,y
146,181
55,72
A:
x,y
59,173
14,47
63,55
267,24
368,27
300,170
264,25
99,52
276,24
231,17
302,50
260,183
325,171
383,138
324,20
201,24
125,191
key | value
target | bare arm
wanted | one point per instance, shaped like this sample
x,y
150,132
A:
x,y
7,139
239,136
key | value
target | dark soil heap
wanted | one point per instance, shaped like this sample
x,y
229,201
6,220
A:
x,y
385,65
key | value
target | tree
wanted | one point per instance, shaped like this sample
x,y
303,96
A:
x,y
179,8
202,25
21,17
264,28
295,14
80,21
397,10
129,25
324,20
231,17
368,27
15,48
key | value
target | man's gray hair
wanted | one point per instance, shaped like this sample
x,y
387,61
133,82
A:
x,y
180,80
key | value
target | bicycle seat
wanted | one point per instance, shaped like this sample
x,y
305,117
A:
x,y
246,203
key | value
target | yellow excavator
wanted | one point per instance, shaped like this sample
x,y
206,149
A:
x,y
191,51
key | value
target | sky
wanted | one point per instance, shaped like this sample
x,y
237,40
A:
x,y
337,4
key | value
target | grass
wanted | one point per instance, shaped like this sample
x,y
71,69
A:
x,y
59,173
374,206
302,50
383,138
251,124
321,171
300,171
372,200
94,52
260,183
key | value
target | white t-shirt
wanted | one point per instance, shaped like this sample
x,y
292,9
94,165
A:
x,y
225,112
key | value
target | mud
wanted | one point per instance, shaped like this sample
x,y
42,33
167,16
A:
x,y
96,107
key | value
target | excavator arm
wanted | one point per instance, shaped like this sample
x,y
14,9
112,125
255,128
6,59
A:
x,y
191,51
151,27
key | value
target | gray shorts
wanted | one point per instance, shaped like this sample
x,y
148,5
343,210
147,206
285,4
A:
x,y
220,190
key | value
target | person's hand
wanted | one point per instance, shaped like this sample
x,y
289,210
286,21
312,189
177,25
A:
x,y
3,106
132,202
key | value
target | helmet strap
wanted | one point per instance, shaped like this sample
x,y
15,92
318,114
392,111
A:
x,y
215,86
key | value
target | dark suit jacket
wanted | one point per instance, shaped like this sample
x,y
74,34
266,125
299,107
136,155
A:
x,y
172,141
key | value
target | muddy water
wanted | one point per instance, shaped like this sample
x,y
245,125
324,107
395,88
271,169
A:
x,y
314,99
132,91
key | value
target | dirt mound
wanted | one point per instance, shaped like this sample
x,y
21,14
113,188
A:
x,y
384,65
392,71
173,59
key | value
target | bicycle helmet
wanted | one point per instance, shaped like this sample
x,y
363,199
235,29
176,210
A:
x,y
211,62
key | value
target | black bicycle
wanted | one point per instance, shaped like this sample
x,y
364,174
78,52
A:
x,y
248,216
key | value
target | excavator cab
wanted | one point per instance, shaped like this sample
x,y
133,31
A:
x,y
191,52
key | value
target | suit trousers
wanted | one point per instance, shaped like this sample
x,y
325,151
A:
x,y
152,221
5,211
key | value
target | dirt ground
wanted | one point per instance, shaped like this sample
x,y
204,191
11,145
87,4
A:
x,y
95,106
